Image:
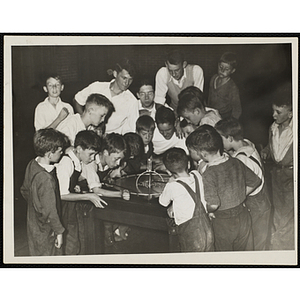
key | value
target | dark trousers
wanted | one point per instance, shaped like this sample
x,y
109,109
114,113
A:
x,y
260,211
283,202
232,228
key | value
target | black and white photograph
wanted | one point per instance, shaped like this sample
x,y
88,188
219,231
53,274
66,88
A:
x,y
163,150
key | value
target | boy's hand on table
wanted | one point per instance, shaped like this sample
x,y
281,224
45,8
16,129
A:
x,y
59,241
96,200
126,195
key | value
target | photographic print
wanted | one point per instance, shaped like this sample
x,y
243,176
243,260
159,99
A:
x,y
150,150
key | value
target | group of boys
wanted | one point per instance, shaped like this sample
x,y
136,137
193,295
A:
x,y
113,134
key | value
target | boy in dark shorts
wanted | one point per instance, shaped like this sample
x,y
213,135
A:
x,y
40,190
227,182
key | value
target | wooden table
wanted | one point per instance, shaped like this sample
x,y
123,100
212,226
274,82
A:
x,y
138,211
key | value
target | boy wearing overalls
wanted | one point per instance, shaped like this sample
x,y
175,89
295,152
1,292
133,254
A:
x,y
185,191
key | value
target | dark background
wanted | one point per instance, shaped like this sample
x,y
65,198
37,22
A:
x,y
261,69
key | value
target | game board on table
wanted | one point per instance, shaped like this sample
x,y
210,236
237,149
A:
x,y
149,183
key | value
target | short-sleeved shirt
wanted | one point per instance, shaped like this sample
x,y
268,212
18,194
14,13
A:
x,y
244,154
45,113
183,204
65,169
71,126
126,107
160,144
225,182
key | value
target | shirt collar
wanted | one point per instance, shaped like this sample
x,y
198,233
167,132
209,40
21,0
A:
x,y
275,126
178,82
74,158
219,160
48,168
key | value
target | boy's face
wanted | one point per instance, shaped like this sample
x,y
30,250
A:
x,y
113,159
176,71
123,79
225,69
187,130
146,96
86,156
226,142
194,117
55,156
53,87
97,114
146,136
281,114
195,155
166,130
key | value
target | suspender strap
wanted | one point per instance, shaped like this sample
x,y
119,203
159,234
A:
x,y
195,195
253,159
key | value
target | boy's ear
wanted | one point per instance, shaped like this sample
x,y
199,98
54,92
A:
x,y
197,111
45,89
232,71
105,152
62,87
115,73
138,95
230,138
184,64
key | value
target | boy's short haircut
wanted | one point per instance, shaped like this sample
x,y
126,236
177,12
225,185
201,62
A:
x,y
126,64
175,160
205,138
100,100
175,57
283,96
230,127
145,81
145,122
88,139
135,144
165,115
49,139
229,58
184,123
55,76
114,143
189,99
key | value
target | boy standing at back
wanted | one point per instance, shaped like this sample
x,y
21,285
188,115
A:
x,y
185,192
223,93
52,111
176,76
280,150
227,182
40,190
258,201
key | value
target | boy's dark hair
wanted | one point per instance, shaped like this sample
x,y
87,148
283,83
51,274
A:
x,y
126,64
165,115
229,58
184,123
205,138
55,76
145,81
144,122
175,160
100,100
230,127
88,139
49,139
135,144
189,99
283,96
114,143
175,57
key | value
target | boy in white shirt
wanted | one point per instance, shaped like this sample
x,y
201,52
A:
x,y
50,112
185,192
